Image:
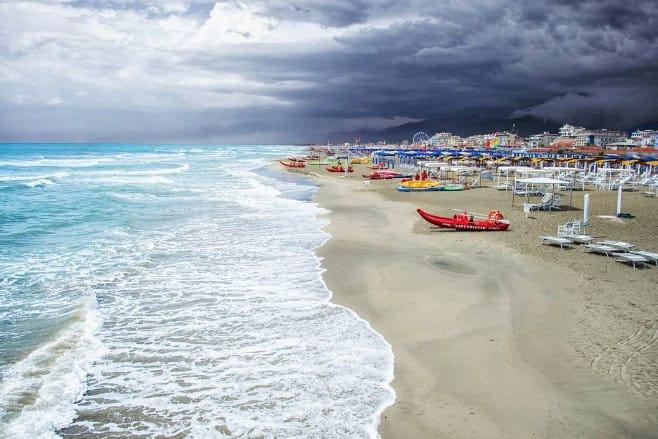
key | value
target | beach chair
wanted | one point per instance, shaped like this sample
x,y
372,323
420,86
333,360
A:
x,y
556,202
632,258
545,201
619,245
649,255
581,239
556,240
549,201
505,186
571,230
599,248
651,194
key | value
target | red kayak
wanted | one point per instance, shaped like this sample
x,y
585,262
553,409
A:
x,y
339,169
292,164
493,221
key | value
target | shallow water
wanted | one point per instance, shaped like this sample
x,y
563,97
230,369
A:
x,y
173,291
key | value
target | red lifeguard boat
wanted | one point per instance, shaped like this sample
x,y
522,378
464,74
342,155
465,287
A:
x,y
474,222
339,169
292,164
384,175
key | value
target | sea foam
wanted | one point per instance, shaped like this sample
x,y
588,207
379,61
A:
x,y
212,318
52,378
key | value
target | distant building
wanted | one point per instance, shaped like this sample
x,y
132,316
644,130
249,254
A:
x,y
646,138
477,140
455,141
506,138
541,140
440,139
570,131
600,138
563,142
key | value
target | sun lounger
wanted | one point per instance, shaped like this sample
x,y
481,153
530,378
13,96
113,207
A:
x,y
601,249
580,239
549,201
554,240
632,258
649,255
503,186
625,246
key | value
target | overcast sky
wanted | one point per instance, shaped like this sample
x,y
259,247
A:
x,y
275,71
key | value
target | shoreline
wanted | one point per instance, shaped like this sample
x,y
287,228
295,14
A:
x,y
488,340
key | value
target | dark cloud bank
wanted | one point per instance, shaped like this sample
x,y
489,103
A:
x,y
465,66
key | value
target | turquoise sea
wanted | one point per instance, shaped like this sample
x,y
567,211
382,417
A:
x,y
173,291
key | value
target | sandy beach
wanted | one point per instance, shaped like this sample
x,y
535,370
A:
x,y
494,334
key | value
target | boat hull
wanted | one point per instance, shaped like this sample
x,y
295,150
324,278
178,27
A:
x,y
461,222
453,187
419,189
419,186
385,175
292,164
339,169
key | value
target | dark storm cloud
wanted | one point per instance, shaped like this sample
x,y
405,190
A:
x,y
550,60
592,63
330,13
589,62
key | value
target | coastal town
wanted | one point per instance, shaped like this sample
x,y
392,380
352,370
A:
x,y
569,139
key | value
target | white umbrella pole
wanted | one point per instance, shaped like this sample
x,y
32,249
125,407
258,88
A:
x,y
619,200
585,210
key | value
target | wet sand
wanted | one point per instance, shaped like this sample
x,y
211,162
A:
x,y
494,334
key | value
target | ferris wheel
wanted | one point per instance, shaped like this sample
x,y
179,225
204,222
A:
x,y
421,138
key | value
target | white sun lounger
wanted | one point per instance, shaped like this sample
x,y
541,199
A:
x,y
580,239
598,248
554,240
649,255
619,245
630,257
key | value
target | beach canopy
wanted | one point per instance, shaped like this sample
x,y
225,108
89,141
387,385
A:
x,y
542,180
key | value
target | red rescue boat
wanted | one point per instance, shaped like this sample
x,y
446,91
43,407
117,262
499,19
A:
x,y
492,222
385,175
339,169
292,164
